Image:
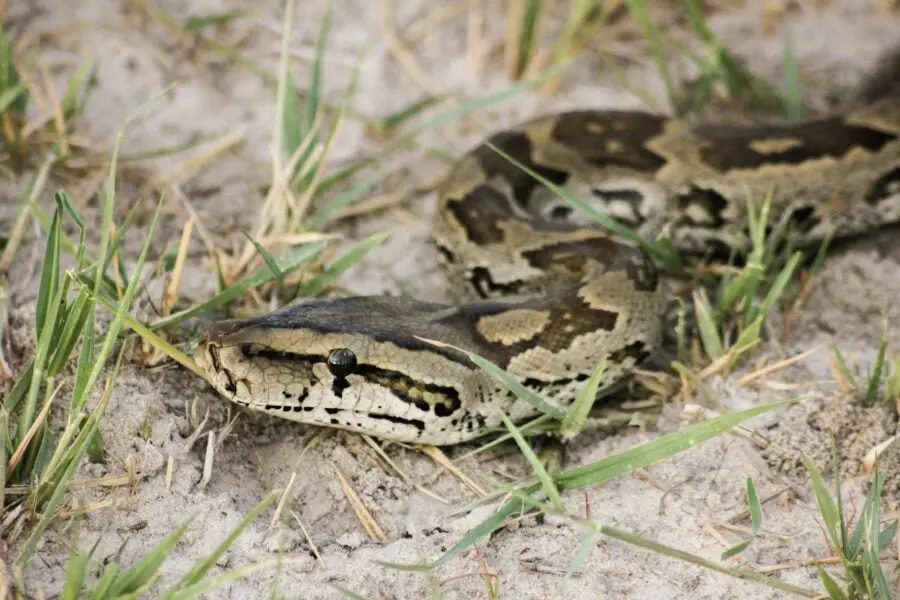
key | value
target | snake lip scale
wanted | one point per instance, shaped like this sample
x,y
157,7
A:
x,y
552,294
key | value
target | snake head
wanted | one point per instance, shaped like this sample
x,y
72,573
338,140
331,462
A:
x,y
255,367
353,363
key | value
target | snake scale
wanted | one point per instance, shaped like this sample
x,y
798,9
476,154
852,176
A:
x,y
555,294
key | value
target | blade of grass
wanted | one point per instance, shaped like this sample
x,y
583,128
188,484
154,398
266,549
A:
x,y
659,449
573,423
298,256
143,574
827,508
658,251
536,465
59,482
347,260
515,386
200,570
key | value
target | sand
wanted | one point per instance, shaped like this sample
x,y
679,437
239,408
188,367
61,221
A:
x,y
154,412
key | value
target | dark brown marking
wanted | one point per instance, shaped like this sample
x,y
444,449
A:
x,y
636,350
709,201
446,253
442,410
572,257
886,185
518,147
561,212
417,423
612,138
633,197
570,314
231,385
583,320
485,286
399,384
726,148
214,357
303,396
339,385
479,211
802,218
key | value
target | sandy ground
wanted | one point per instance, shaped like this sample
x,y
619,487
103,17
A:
x,y
677,502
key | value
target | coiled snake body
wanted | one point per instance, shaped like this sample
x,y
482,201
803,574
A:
x,y
557,295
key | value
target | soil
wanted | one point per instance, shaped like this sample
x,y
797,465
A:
x,y
152,477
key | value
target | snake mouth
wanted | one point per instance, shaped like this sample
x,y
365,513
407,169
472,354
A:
x,y
209,359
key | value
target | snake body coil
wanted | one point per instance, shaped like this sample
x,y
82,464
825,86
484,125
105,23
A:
x,y
556,294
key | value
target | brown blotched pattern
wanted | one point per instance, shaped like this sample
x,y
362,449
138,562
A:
x,y
578,297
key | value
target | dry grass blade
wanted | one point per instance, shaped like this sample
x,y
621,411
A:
x,y
365,517
438,456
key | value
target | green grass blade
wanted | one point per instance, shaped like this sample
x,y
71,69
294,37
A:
x,y
59,490
72,328
77,568
196,574
744,574
779,285
656,250
349,593
48,305
270,261
827,508
742,287
794,106
314,91
574,421
399,118
340,265
85,360
530,17
80,445
659,449
105,583
639,13
610,467
297,257
342,201
222,19
543,476
843,367
73,101
588,543
485,528
513,384
209,584
706,324
10,96
877,370
19,389
145,571
736,549
832,588
756,516
854,544
48,292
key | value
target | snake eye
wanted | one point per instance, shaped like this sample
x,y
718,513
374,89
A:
x,y
341,362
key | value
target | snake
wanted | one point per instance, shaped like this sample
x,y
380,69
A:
x,y
546,293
